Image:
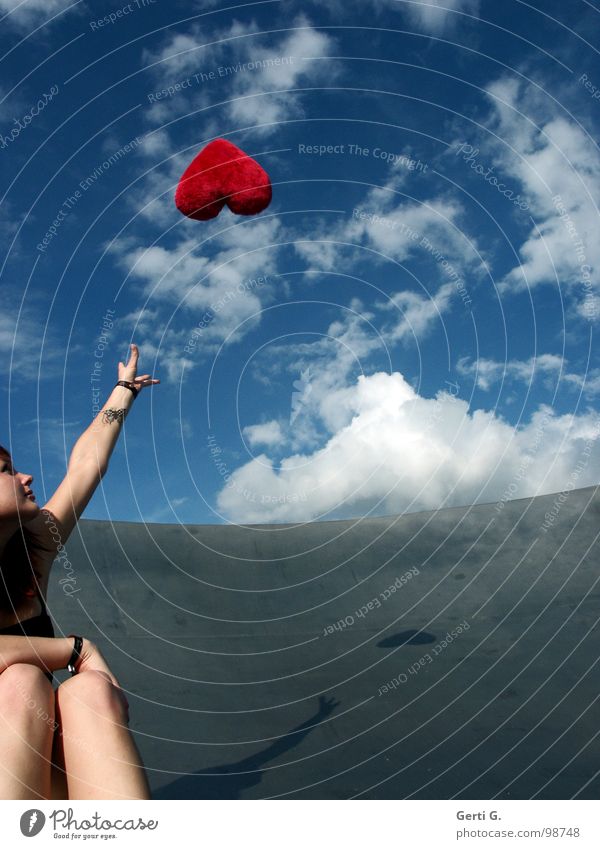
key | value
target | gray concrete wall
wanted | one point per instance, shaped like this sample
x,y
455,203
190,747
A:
x,y
432,655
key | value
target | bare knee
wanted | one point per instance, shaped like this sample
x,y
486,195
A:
x,y
25,690
92,690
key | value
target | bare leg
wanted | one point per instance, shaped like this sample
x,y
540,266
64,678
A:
x,y
99,753
26,732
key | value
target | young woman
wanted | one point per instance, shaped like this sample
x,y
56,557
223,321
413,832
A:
x,y
72,742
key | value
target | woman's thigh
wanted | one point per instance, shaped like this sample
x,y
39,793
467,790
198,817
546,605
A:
x,y
26,732
101,758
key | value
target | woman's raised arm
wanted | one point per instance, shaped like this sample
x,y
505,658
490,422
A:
x,y
91,453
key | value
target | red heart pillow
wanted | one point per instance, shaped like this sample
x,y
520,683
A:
x,y
222,174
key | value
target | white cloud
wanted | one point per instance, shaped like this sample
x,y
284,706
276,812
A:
x,y
435,16
212,292
394,223
180,54
302,60
394,230
268,433
320,372
403,452
439,15
153,198
551,367
183,276
558,166
156,144
33,5
28,12
418,313
242,69
395,227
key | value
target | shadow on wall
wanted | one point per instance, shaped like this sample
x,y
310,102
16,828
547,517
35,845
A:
x,y
231,780
407,638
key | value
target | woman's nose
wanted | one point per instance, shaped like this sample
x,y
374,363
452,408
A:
x,y
26,479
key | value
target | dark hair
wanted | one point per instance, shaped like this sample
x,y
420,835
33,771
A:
x,y
17,575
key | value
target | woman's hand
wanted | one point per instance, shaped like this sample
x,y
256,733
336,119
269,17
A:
x,y
129,371
93,660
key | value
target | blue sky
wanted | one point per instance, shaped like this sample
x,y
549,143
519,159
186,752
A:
x,y
410,324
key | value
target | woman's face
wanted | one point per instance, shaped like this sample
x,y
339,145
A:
x,y
17,501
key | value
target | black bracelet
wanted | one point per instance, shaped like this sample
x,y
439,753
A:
x,y
128,385
76,655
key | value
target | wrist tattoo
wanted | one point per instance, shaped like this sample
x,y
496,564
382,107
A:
x,y
111,415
